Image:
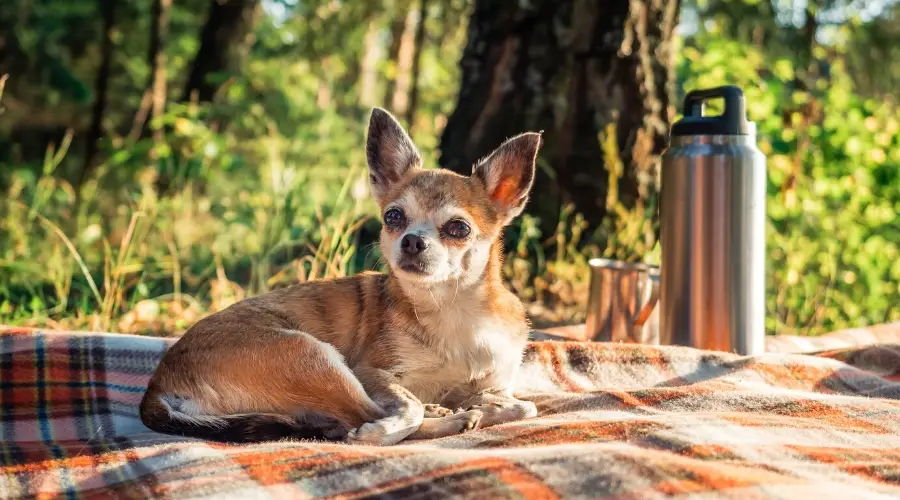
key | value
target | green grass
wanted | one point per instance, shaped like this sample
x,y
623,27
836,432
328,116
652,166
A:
x,y
163,234
157,268
128,260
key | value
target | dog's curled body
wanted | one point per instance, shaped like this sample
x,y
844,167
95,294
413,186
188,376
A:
x,y
429,349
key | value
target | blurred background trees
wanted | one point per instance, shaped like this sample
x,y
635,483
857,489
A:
x,y
576,70
160,159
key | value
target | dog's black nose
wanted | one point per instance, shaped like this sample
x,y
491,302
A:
x,y
412,244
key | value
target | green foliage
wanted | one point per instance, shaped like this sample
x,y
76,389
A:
x,y
833,239
266,185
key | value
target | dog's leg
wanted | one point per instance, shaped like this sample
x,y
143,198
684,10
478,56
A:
x,y
297,385
499,409
449,425
438,411
405,412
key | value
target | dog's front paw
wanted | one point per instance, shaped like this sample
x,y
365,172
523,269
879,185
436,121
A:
x,y
438,411
450,425
527,409
384,432
371,433
466,420
507,411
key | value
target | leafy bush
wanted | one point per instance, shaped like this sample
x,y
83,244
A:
x,y
833,188
267,186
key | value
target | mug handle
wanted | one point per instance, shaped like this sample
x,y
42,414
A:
x,y
647,309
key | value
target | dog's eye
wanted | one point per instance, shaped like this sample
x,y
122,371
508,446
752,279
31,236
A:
x,y
394,218
456,229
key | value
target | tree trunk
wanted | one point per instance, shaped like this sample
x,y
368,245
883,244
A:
x,y
153,104
578,70
416,66
400,99
398,24
361,66
371,53
225,36
807,43
158,74
101,87
805,75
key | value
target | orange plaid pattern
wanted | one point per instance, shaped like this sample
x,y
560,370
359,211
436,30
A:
x,y
620,421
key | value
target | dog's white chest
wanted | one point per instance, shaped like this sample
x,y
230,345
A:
x,y
485,357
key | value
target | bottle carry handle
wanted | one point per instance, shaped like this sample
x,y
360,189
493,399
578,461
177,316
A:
x,y
732,121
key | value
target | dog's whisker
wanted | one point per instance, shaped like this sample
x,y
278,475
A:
x,y
372,247
416,313
433,299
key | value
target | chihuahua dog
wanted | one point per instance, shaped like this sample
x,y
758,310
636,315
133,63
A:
x,y
429,349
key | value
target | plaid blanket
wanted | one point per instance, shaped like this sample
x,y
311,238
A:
x,y
853,337
616,421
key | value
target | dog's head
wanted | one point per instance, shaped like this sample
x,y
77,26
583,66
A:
x,y
439,225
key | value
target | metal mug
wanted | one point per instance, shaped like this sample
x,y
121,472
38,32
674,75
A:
x,y
622,302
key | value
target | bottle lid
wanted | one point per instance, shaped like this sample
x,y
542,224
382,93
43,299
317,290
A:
x,y
733,121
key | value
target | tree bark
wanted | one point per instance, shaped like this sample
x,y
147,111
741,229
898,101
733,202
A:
x,y
805,75
416,66
398,24
361,65
369,81
153,104
101,87
577,70
157,55
804,42
225,36
400,99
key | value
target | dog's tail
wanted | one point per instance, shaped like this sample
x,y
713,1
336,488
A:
x,y
172,415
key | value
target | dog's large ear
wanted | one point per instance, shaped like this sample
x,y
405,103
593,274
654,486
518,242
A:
x,y
508,173
390,153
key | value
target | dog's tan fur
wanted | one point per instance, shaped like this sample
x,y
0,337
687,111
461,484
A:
x,y
431,348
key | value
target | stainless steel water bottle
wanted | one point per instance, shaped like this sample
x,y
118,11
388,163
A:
x,y
712,224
